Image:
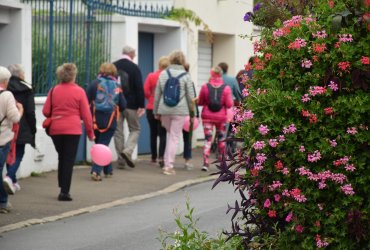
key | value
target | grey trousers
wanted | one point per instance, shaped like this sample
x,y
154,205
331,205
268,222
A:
x,y
130,115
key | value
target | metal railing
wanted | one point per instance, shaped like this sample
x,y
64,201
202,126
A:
x,y
78,31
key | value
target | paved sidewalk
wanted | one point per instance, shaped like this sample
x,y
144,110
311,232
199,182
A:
x,y
37,201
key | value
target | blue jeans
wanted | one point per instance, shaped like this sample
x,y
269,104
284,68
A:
x,y
12,169
4,150
103,138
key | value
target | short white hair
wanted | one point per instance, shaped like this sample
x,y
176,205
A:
x,y
4,74
16,70
127,50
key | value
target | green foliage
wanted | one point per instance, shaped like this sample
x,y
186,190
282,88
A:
x,y
310,96
189,237
185,16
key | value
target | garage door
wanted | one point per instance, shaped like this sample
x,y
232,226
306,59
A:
x,y
204,59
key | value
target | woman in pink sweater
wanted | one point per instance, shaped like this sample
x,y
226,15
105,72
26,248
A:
x,y
215,97
67,104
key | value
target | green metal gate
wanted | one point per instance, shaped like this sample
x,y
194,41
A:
x,y
77,31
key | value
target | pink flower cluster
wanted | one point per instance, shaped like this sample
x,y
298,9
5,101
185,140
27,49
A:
x,y
241,115
261,158
273,143
295,193
306,98
320,34
322,177
365,60
306,63
320,243
289,217
352,131
291,129
294,22
319,48
341,161
259,145
347,189
345,38
263,129
333,86
317,90
333,143
245,92
344,66
275,185
314,157
297,44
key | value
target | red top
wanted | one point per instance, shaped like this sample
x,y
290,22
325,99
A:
x,y
226,100
149,88
70,105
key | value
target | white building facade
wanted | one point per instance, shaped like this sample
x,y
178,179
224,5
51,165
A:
x,y
224,18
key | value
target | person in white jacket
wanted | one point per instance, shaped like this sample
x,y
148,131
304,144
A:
x,y
10,112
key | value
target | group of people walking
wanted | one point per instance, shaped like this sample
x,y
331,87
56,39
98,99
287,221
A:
x,y
116,95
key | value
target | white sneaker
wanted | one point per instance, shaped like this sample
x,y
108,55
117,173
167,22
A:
x,y
188,166
205,168
17,187
8,185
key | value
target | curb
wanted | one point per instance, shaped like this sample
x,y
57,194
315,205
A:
x,y
169,189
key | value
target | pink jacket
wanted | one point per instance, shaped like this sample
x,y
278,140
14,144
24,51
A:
x,y
149,88
226,100
69,106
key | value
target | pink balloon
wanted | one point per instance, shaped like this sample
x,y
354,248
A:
x,y
187,123
101,154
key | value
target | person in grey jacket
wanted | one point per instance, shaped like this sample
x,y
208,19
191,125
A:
x,y
10,112
173,118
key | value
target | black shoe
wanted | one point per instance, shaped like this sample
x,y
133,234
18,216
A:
x,y
64,197
128,159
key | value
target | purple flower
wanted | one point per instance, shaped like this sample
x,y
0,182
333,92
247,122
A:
x,y
248,16
257,7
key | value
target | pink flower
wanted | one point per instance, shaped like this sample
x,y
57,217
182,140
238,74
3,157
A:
x,y
279,165
352,131
320,206
365,60
344,66
333,86
273,143
267,203
331,4
261,158
306,63
302,149
297,44
317,90
320,243
286,193
263,129
320,34
322,185
345,38
313,118
268,57
275,185
305,98
289,217
299,228
277,197
259,145
328,111
285,171
290,130
272,213
281,138
333,143
347,189
319,48
350,167
245,92
314,157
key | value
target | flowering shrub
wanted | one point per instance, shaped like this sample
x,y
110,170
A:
x,y
305,126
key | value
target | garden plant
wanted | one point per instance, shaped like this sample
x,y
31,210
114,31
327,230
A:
x,y
305,125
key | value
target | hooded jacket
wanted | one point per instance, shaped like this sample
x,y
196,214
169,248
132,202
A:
x,y
23,94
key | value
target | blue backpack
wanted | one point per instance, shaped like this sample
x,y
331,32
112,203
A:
x,y
106,100
171,92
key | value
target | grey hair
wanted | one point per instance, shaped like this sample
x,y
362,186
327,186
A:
x,y
4,74
16,70
127,50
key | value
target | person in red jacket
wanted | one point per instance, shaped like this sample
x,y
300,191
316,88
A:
x,y
212,118
155,126
67,104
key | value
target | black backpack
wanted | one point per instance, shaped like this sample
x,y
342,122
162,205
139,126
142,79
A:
x,y
214,97
123,78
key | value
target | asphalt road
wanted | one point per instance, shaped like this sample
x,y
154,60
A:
x,y
134,226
